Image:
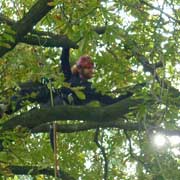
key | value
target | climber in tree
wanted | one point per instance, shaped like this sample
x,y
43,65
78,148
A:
x,y
79,75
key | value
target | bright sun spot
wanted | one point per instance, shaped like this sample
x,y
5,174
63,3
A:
x,y
159,140
175,140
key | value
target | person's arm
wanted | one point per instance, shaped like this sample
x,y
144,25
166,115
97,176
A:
x,y
92,95
65,65
108,100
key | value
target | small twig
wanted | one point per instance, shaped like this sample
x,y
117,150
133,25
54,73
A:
x,y
159,9
131,149
103,153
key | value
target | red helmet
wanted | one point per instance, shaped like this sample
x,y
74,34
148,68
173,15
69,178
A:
x,y
85,61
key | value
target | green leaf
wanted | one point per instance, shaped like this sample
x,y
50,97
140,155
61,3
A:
x,y
8,37
94,104
6,45
80,94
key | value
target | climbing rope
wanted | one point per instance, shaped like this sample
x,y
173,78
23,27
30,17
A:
x,y
55,139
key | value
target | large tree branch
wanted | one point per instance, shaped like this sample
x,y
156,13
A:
x,y
115,124
48,40
37,117
26,24
70,128
40,38
34,170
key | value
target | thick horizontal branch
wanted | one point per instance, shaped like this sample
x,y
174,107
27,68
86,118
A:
x,y
71,128
118,124
26,24
49,41
33,170
37,117
41,38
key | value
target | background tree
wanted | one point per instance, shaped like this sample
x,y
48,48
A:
x,y
131,42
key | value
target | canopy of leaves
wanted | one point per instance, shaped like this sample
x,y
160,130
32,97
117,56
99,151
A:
x,y
131,42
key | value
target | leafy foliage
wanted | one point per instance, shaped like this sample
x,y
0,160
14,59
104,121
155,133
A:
x,y
126,40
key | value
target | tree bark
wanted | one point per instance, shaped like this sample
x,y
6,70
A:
x,y
26,24
49,41
117,124
37,117
85,126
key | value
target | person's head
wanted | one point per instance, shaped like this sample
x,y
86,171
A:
x,y
85,67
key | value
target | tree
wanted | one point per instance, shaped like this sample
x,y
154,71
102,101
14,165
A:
x,y
131,42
